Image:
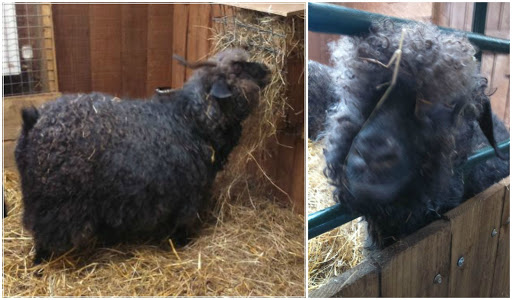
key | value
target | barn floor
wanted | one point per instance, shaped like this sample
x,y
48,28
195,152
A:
x,y
340,249
255,251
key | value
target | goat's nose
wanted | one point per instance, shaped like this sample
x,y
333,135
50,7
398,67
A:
x,y
381,155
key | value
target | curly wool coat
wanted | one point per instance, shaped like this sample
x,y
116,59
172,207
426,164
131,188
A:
x,y
94,166
400,165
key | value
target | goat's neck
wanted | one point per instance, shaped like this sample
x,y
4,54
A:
x,y
205,115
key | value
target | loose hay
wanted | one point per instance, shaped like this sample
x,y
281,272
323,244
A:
x,y
254,251
272,40
338,250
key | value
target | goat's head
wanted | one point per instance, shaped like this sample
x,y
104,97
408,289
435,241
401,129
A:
x,y
232,81
415,137
405,145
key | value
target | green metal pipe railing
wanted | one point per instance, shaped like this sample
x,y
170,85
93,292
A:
x,y
479,20
327,219
337,19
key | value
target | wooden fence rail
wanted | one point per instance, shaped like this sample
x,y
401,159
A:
x,y
465,254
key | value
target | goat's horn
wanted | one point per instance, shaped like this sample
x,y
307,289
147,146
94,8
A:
x,y
194,65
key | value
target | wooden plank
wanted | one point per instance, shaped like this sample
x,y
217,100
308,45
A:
x,y
9,162
160,51
297,188
487,68
360,281
472,223
281,9
500,82
441,13
419,11
410,266
105,39
501,278
179,42
72,47
284,167
458,15
134,27
198,45
12,111
505,18
506,119
493,16
294,126
49,57
468,18
318,49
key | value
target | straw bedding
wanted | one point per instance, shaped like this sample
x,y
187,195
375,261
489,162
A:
x,y
340,249
256,251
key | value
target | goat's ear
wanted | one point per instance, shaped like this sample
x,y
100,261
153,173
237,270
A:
x,y
220,89
485,123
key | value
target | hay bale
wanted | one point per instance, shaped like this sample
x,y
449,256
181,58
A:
x,y
273,40
340,249
255,251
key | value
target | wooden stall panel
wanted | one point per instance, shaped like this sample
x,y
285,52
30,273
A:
x,y
410,266
159,55
106,44
72,46
134,42
179,42
12,121
501,278
289,163
472,225
198,31
49,75
360,281
457,15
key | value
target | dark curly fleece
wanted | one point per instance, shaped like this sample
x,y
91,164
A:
x,y
95,166
400,166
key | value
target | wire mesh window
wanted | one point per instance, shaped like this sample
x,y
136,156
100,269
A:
x,y
28,49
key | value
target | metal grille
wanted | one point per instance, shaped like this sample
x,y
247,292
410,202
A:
x,y
28,49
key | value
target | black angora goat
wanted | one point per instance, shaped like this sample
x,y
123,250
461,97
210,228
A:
x,y
93,166
400,165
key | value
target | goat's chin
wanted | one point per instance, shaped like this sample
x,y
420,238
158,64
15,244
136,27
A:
x,y
377,193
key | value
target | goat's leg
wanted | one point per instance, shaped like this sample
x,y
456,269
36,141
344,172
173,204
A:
x,y
41,255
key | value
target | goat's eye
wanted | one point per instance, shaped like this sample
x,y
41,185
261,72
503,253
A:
x,y
237,68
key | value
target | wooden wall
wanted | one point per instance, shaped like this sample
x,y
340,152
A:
x,y
126,49
455,15
425,264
